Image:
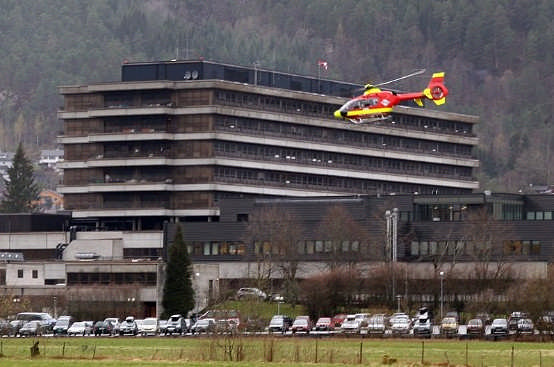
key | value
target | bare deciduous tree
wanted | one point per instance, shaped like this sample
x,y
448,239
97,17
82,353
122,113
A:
x,y
346,237
275,233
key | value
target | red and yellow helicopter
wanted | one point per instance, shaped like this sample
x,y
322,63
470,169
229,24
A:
x,y
376,104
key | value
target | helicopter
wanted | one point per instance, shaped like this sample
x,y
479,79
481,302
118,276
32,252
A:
x,y
376,104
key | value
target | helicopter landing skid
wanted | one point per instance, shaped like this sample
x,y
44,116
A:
x,y
375,118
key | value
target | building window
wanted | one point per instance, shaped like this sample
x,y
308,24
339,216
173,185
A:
x,y
318,246
415,248
35,274
215,248
423,248
309,247
522,248
20,273
345,246
530,215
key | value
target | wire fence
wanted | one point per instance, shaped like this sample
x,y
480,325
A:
x,y
295,350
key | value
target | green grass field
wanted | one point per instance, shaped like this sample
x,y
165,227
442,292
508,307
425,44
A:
x,y
288,351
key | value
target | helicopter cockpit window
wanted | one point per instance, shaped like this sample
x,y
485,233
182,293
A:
x,y
351,105
369,102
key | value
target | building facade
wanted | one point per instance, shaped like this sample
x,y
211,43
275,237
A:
x,y
172,139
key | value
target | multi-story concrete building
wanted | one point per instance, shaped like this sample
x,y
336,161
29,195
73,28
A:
x,y
172,139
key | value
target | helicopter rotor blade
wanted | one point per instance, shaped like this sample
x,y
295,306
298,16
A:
x,y
418,72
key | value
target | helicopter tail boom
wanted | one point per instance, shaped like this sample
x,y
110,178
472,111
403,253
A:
x,y
436,91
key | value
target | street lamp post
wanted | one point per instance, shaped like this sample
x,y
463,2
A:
x,y
279,300
442,293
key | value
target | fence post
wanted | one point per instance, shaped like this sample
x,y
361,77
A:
x,y
512,362
315,350
360,360
422,351
467,357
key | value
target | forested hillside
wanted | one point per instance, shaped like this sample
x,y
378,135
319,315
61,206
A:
x,y
497,55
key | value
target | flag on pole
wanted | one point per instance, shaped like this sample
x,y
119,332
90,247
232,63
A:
x,y
322,64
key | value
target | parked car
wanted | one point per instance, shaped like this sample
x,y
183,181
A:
x,y
176,325
337,320
5,327
279,323
301,324
401,324
377,324
47,322
525,327
128,326
115,324
80,328
15,325
223,326
485,317
207,325
31,328
364,318
149,326
252,293
475,328
61,326
351,324
449,326
231,316
102,328
545,324
499,327
514,319
396,315
162,327
423,325
323,324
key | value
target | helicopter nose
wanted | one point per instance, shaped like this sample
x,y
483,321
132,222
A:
x,y
338,114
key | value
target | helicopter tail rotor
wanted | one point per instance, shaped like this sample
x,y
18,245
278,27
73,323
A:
x,y
436,91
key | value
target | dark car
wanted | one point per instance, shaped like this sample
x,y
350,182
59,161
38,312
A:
x,y
31,328
514,319
279,323
47,322
5,327
102,328
15,325
525,327
61,326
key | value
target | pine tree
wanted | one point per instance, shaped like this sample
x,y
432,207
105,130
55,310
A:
x,y
20,187
178,294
